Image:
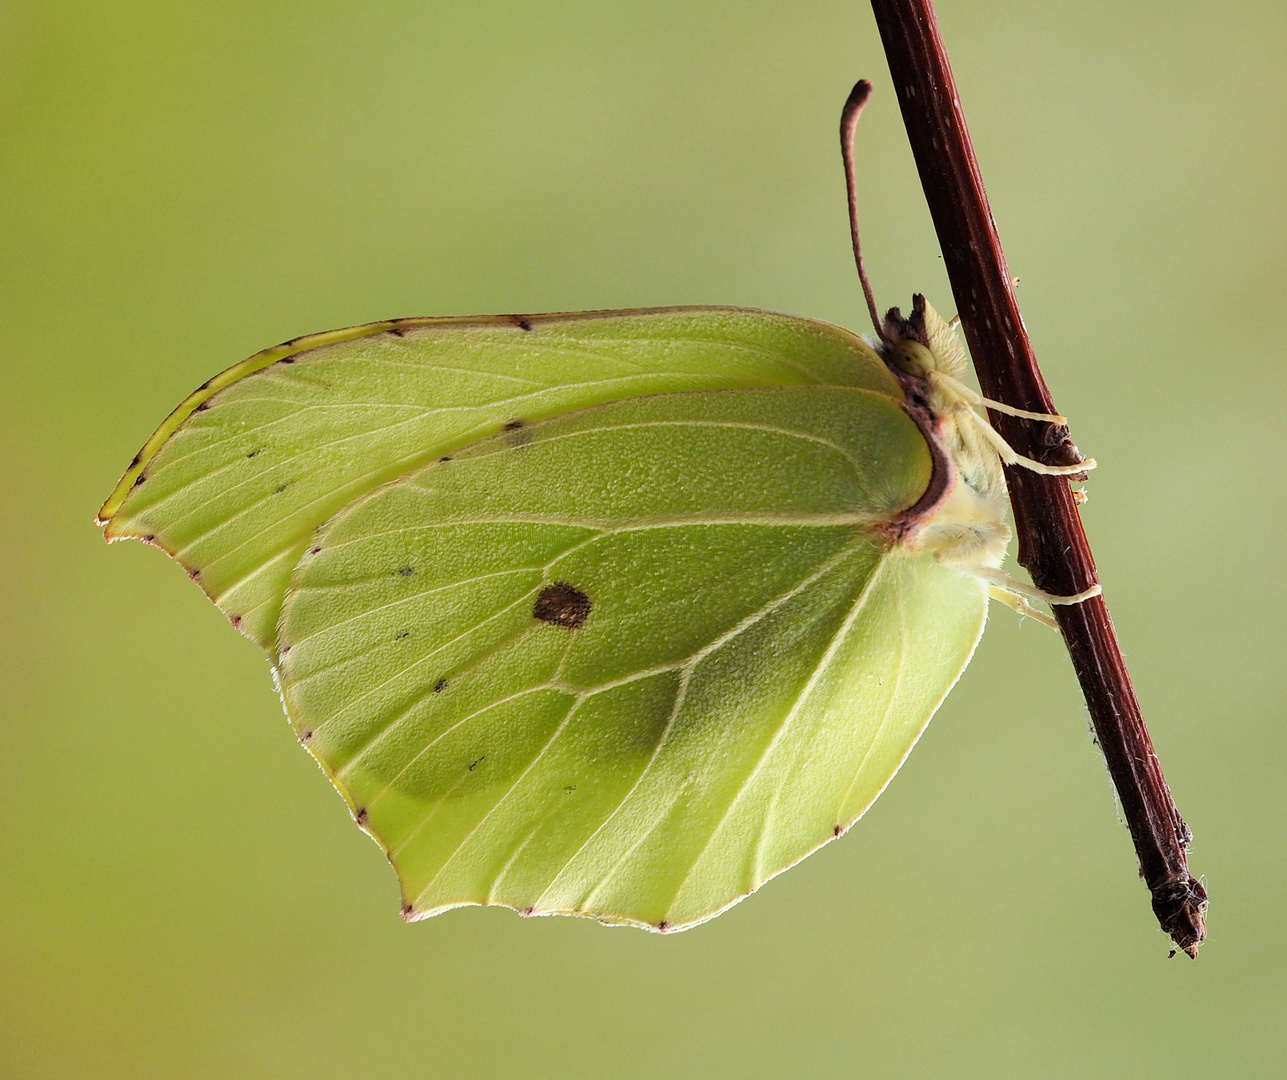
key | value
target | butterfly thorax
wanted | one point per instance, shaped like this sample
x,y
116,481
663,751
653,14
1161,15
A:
x,y
966,525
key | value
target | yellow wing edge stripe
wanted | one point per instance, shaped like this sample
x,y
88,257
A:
x,y
299,345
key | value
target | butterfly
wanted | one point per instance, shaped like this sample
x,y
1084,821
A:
x,y
615,614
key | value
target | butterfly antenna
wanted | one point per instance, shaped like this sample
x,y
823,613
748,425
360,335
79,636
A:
x,y
848,125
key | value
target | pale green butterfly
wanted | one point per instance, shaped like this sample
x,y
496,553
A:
x,y
615,614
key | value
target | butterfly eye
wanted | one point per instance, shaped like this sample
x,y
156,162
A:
x,y
912,358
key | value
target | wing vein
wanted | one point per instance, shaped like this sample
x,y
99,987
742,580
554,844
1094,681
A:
x,y
562,726
889,706
687,670
819,670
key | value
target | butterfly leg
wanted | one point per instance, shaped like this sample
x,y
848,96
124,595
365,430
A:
x,y
1021,605
961,390
1014,594
1007,454
1001,580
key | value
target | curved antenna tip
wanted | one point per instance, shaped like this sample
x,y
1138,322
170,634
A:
x,y
857,99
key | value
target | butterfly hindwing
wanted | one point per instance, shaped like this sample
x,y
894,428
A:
x,y
632,661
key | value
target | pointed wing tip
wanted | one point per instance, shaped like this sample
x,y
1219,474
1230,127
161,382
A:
x,y
109,509
106,516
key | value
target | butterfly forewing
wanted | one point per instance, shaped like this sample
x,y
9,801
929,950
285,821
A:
x,y
237,479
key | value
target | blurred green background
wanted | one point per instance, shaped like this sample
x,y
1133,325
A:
x,y
181,892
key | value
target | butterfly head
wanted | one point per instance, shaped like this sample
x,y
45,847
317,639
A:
x,y
921,343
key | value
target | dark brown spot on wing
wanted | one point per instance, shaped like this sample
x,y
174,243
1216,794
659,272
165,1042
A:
x,y
516,433
563,605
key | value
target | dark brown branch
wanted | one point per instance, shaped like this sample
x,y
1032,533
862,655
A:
x,y
1052,544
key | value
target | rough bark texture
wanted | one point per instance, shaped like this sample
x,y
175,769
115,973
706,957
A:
x,y
1052,543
